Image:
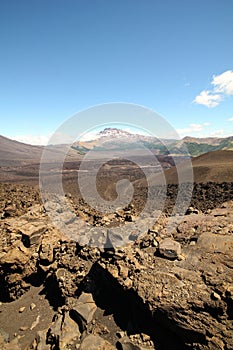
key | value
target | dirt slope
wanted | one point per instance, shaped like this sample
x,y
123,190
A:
x,y
14,152
214,166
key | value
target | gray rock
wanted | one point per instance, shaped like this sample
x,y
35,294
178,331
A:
x,y
169,248
63,331
83,311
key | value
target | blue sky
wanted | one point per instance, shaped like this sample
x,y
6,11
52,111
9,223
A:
x,y
61,56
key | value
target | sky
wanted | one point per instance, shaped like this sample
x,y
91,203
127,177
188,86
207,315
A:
x,y
59,57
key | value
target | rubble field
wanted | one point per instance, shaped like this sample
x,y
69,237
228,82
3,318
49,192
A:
x,y
165,290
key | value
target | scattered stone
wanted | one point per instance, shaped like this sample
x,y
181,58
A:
x,y
191,210
32,306
22,309
35,323
181,257
215,296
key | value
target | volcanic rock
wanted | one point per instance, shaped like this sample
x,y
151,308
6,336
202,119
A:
x,y
169,248
83,310
95,342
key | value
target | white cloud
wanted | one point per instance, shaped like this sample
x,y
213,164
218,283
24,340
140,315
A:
x,y
230,119
91,135
223,83
218,133
192,128
223,86
206,98
32,139
203,130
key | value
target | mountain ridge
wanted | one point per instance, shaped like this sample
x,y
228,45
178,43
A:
x,y
114,138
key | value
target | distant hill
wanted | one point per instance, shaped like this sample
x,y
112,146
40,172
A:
x,y
216,166
198,146
14,153
116,139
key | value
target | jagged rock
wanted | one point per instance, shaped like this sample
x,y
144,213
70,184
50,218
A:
x,y
191,297
40,343
46,254
32,232
83,310
169,248
54,332
70,332
95,342
18,255
63,332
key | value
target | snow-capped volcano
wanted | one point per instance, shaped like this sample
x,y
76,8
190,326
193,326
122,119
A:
x,y
114,139
114,133
111,133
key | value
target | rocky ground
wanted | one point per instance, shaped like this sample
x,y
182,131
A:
x,y
164,291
